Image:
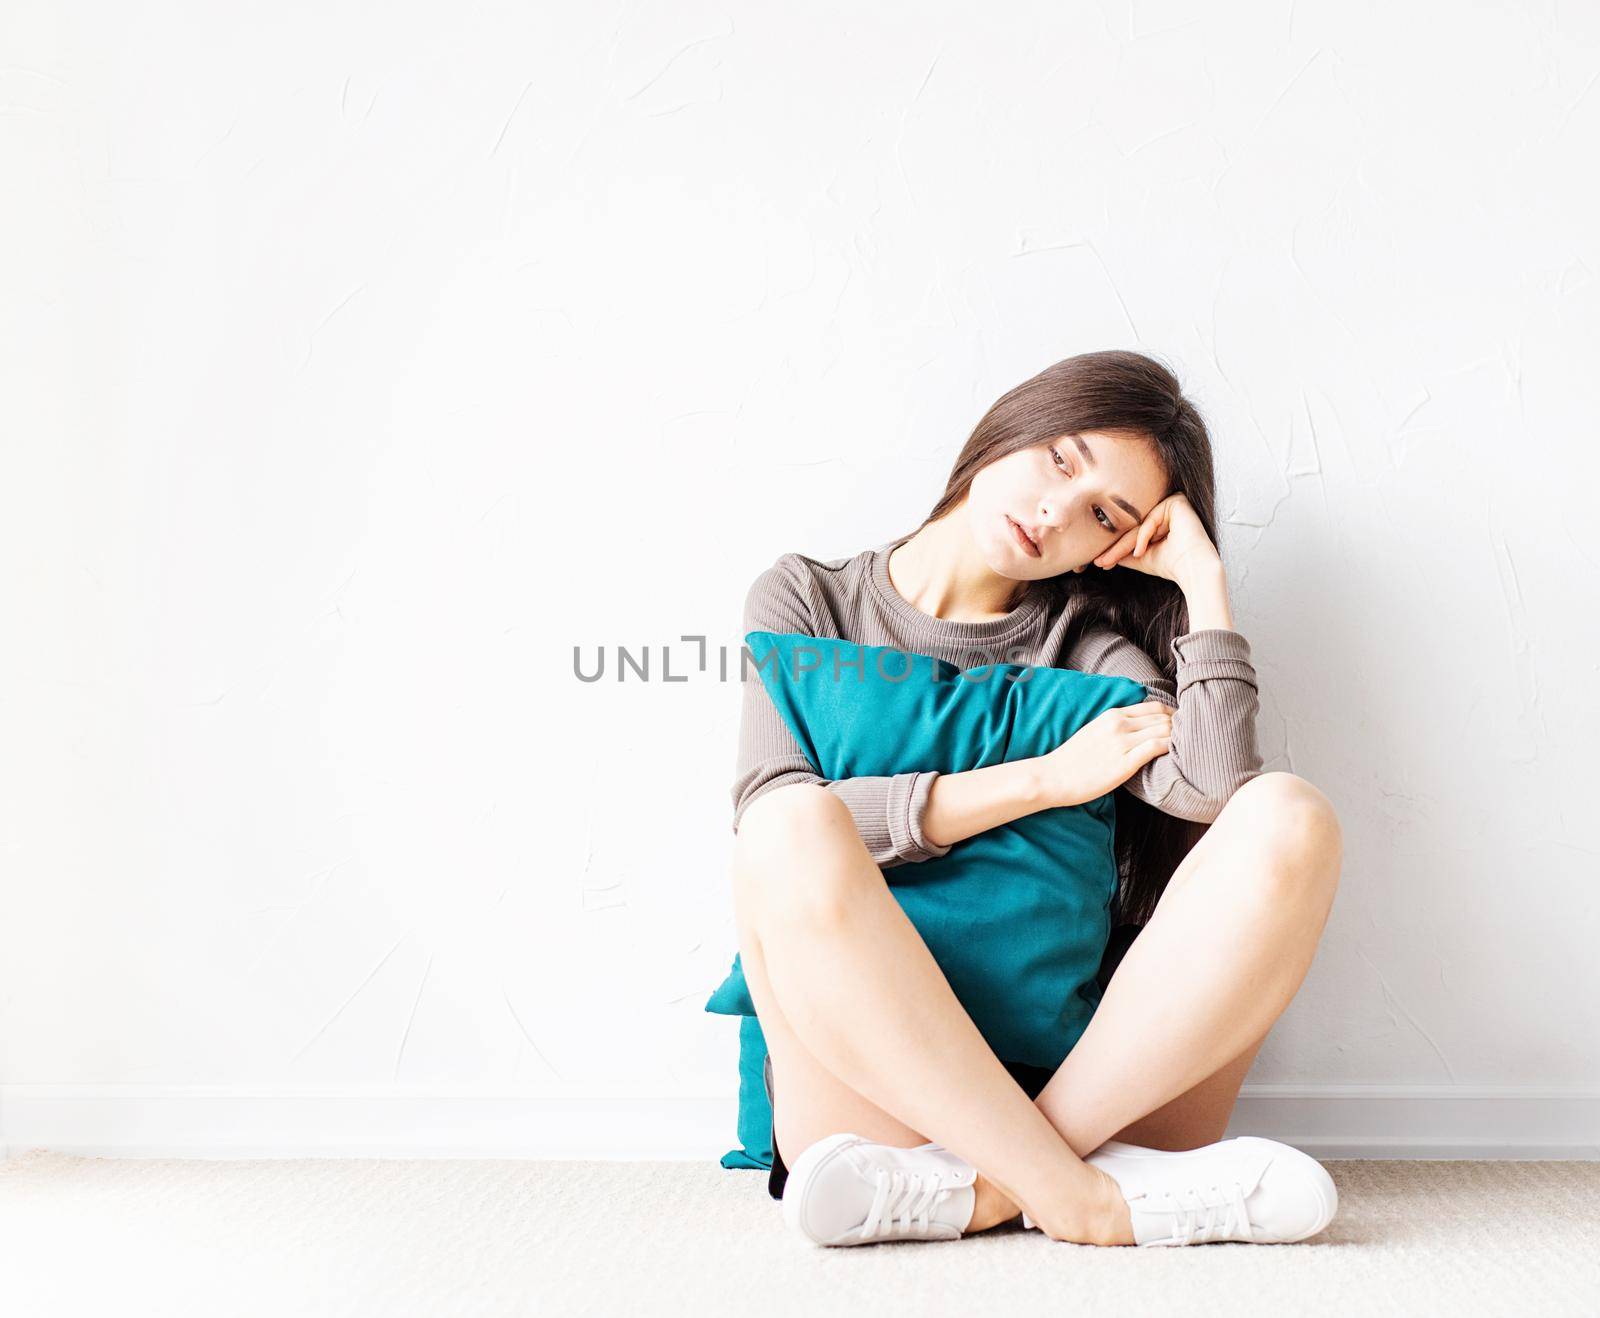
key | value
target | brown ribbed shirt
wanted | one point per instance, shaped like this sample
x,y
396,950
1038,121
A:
x,y
1214,695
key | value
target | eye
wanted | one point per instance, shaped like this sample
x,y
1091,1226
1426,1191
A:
x,y
1099,512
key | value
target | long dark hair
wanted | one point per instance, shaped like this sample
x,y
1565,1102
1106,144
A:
x,y
1125,393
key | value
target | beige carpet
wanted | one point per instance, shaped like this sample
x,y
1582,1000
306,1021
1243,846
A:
x,y
94,1236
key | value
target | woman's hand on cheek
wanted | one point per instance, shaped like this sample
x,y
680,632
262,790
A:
x,y
1169,543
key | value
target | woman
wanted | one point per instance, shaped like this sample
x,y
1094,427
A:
x,y
1077,530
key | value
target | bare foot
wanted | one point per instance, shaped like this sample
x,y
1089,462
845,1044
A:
x,y
1099,1217
1118,1220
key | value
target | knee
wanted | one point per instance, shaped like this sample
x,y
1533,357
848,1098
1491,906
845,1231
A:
x,y
786,816
780,853
1295,822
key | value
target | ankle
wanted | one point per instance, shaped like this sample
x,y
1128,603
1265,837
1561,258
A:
x,y
993,1206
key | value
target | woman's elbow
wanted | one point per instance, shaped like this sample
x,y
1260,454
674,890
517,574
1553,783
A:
x,y
1202,802
1217,794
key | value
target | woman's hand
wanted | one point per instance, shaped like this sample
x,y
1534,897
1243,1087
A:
x,y
1107,751
1169,543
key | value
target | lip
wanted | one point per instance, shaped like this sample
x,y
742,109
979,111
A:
x,y
1022,538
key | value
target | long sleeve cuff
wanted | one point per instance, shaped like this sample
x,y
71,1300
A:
x,y
908,799
1212,652
887,810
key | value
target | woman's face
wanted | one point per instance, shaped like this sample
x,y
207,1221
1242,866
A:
x,y
1074,497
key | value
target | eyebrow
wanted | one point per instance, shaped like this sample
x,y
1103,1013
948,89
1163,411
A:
x,y
1116,499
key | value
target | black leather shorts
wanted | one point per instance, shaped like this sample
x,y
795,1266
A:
x,y
1031,1078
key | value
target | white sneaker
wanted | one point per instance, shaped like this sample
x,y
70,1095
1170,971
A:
x,y
1246,1188
846,1190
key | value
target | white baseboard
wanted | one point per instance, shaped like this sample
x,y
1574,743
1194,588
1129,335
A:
x,y
233,1121
1424,1121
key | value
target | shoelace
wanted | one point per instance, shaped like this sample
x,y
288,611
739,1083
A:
x,y
908,1196
1216,1213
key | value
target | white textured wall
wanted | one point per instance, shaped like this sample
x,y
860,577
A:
x,y
359,360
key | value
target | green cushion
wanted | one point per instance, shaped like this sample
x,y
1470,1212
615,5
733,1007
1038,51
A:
x,y
1017,917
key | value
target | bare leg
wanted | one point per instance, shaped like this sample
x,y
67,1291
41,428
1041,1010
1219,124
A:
x,y
1198,1116
816,1103
1198,991
1226,950
841,972
1186,1011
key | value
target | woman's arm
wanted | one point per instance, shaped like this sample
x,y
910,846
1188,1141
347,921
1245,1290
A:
x,y
1214,699
1213,730
888,809
961,805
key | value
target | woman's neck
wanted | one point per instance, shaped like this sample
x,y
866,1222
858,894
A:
x,y
939,571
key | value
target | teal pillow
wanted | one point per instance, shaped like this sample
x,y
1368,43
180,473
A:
x,y
1017,917
755,1112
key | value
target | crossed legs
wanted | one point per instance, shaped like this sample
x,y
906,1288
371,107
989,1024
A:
x,y
866,1035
